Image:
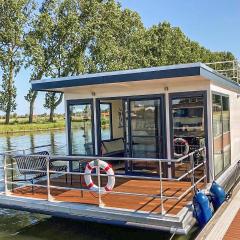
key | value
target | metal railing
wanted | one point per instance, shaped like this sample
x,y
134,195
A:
x,y
230,69
189,160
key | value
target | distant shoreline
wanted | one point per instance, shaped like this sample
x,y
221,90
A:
x,y
32,130
41,126
31,127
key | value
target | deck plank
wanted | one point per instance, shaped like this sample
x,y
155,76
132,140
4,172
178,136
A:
x,y
134,203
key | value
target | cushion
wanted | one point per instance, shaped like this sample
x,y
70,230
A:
x,y
114,145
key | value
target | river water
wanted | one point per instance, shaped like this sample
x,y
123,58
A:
x,y
17,225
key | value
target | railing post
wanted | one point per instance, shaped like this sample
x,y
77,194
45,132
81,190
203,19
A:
x,y
100,203
204,165
5,175
49,196
161,188
192,171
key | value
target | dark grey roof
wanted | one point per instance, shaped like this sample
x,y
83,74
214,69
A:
x,y
172,71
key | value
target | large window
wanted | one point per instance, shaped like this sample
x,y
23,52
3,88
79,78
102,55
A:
x,y
221,133
188,124
188,127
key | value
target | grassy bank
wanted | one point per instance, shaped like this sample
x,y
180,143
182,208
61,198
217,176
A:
x,y
26,127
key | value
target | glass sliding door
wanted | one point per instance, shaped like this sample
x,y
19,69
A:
x,y
221,133
80,124
145,131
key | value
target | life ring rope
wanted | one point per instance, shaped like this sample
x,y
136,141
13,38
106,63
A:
x,y
102,166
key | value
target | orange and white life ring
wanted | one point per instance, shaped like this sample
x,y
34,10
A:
x,y
104,166
183,142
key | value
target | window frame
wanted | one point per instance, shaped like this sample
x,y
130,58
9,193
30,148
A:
x,y
79,102
175,95
216,176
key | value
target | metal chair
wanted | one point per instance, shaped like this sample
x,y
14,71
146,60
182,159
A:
x,y
30,166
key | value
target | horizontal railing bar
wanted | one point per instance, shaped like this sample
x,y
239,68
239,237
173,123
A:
x,y
164,197
110,175
226,70
29,170
25,149
51,186
26,184
93,174
89,190
190,171
190,188
116,175
78,158
229,61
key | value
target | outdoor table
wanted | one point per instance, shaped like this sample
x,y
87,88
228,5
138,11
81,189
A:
x,y
70,159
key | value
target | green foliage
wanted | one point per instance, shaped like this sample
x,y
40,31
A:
x,y
14,19
8,93
17,126
119,41
52,100
168,45
44,51
30,95
70,37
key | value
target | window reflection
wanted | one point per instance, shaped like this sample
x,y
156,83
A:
x,y
188,129
221,133
217,133
81,129
145,132
145,127
188,123
106,128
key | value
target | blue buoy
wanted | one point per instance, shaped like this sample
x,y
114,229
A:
x,y
218,195
202,208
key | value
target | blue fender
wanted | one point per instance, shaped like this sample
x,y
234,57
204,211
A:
x,y
202,208
218,195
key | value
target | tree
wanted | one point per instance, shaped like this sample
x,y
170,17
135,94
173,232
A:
x,y
119,41
52,100
70,37
169,45
14,20
31,97
53,46
7,94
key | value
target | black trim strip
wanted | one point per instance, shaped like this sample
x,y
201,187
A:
x,y
124,77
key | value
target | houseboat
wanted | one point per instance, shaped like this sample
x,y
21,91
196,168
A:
x,y
139,144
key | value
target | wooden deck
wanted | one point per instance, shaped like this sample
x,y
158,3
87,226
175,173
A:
x,y
133,203
233,233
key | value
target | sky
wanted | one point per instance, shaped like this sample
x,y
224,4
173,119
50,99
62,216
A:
x,y
212,23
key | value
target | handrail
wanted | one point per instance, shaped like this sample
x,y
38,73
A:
x,y
23,149
77,158
230,69
98,174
